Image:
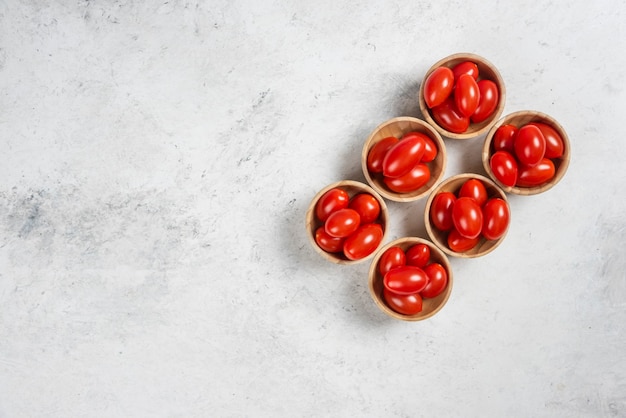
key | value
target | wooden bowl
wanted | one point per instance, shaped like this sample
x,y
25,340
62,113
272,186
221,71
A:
x,y
352,188
486,70
520,119
440,238
398,127
430,306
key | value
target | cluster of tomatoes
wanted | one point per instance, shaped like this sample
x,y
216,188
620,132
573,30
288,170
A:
x,y
350,225
403,162
410,276
469,215
524,156
457,96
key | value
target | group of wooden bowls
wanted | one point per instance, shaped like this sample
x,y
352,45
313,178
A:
x,y
376,187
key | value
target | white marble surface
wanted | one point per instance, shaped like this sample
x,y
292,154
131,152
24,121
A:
x,y
157,161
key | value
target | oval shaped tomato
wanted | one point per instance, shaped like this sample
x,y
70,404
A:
x,y
449,118
403,156
410,182
377,154
496,218
363,241
327,242
504,167
554,143
488,102
530,145
342,223
504,138
366,206
531,176
392,257
438,86
466,95
474,189
403,304
405,280
467,217
460,244
418,255
437,280
430,148
331,201
441,211
465,67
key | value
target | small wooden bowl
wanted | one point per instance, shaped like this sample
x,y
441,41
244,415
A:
x,y
440,238
398,127
520,119
430,306
352,188
486,70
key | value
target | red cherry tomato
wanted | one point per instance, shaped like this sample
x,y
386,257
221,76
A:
x,y
488,103
441,211
530,145
410,182
331,201
403,304
437,280
460,244
342,223
504,167
403,156
438,86
405,280
475,189
466,95
363,241
393,257
467,217
377,154
430,150
327,242
366,206
504,138
449,117
531,176
465,67
554,143
418,255
496,217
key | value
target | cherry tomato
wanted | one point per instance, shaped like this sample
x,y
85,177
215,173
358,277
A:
x,y
342,223
530,176
467,217
393,257
430,150
530,145
554,143
331,201
437,280
403,304
466,95
405,280
363,241
475,189
496,217
488,100
403,156
460,244
504,167
377,154
465,67
367,207
418,255
504,138
410,182
449,117
438,86
441,211
327,242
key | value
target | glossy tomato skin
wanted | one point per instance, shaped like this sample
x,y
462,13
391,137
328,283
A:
x,y
441,211
405,280
363,241
504,138
554,143
449,117
366,206
475,189
531,176
403,304
465,67
530,145
460,244
403,156
467,217
342,223
466,95
504,167
438,86
418,255
489,96
417,177
430,150
331,201
327,242
496,218
377,154
392,257
437,280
